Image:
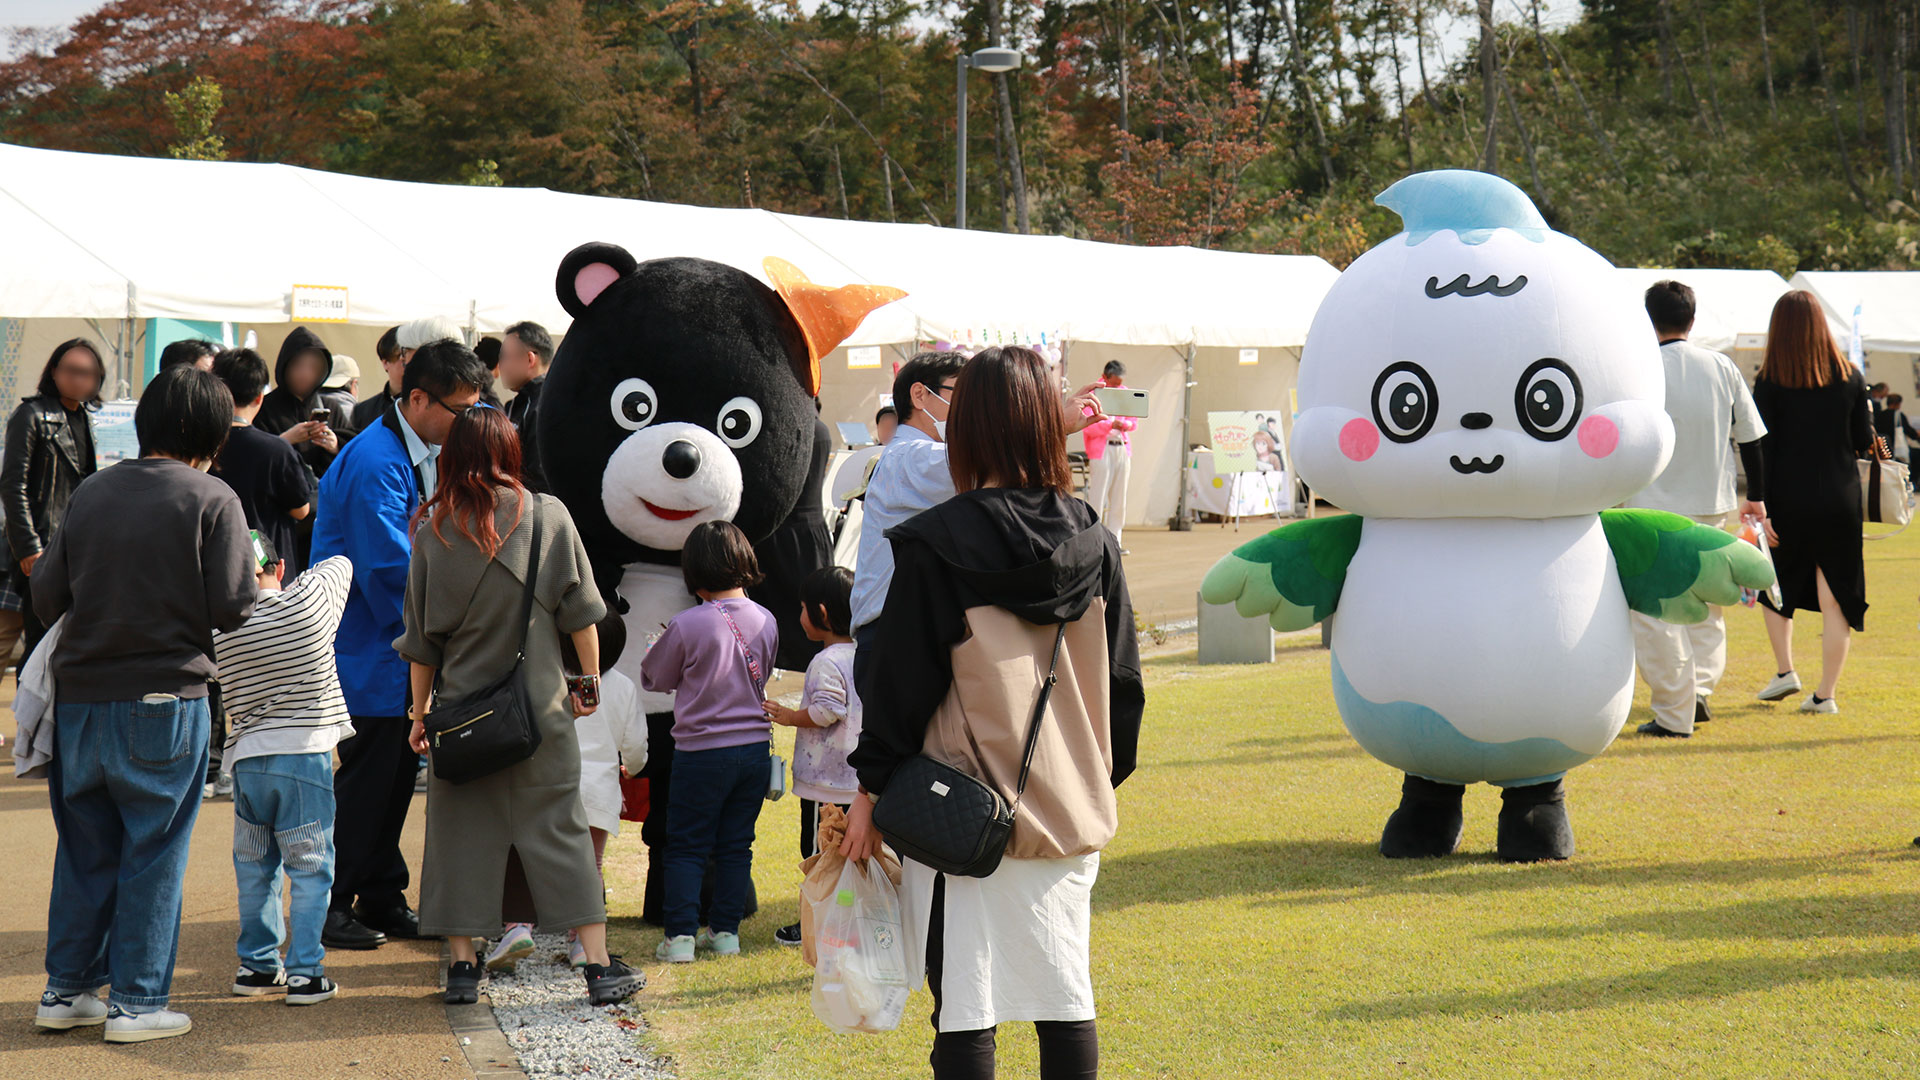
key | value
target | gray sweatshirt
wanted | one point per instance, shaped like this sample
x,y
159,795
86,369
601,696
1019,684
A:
x,y
153,558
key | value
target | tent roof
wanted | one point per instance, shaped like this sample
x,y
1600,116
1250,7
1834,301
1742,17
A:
x,y
1889,303
1729,303
111,237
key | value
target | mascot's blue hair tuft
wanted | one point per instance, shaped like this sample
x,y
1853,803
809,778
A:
x,y
1469,204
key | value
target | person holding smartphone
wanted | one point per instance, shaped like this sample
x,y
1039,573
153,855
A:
x,y
297,409
1109,446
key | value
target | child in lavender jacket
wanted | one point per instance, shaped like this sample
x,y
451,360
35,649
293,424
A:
x,y
715,658
827,722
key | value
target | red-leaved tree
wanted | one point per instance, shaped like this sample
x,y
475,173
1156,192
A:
x,y
1187,183
288,70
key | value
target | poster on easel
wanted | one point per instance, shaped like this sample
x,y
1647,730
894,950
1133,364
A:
x,y
1246,441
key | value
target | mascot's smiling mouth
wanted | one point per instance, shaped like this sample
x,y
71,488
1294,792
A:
x,y
669,514
1479,466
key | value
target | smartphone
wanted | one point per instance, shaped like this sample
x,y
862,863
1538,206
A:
x,y
1121,401
319,416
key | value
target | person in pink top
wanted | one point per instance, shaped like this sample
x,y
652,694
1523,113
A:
x,y
1110,456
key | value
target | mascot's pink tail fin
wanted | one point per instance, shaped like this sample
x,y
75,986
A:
x,y
826,316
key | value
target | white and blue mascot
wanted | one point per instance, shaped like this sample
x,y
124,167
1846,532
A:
x,y
1477,392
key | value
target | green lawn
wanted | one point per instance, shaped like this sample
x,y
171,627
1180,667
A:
x,y
1743,904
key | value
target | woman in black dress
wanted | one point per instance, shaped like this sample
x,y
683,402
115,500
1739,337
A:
x,y
1815,407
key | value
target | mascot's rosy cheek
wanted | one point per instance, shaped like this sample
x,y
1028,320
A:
x,y
1599,436
1359,440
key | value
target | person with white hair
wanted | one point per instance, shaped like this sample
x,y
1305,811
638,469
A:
x,y
396,347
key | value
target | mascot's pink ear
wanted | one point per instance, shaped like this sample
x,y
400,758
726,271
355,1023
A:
x,y
587,271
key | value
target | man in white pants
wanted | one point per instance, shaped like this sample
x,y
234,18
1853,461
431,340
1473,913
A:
x,y
1110,459
1710,406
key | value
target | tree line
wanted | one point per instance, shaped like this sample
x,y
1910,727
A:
x,y
1757,133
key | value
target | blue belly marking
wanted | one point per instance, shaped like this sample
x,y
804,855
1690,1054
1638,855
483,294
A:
x,y
1416,739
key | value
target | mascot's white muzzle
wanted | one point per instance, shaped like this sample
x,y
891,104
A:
x,y
665,479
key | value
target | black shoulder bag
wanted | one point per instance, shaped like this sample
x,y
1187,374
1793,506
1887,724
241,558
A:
x,y
489,731
937,815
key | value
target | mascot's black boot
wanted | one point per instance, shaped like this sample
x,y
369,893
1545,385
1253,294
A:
x,y
1428,823
1533,823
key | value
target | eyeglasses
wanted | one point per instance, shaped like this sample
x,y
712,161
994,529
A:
x,y
463,411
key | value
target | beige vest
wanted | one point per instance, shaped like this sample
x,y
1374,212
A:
x,y
981,728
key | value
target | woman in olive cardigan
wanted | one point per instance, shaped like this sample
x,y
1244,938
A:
x,y
472,549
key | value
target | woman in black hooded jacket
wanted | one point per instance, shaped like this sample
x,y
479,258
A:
x,y
303,365
1011,576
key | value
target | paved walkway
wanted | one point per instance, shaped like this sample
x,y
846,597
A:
x,y
388,1022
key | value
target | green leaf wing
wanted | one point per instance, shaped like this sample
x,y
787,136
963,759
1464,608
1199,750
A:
x,y
1292,575
1672,568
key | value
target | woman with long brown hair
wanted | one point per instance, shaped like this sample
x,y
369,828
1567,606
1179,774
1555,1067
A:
x,y
1814,404
474,542
982,585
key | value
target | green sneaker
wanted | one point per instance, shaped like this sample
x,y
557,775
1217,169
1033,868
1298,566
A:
x,y
721,944
676,950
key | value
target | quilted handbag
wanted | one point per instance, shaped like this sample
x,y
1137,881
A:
x,y
937,815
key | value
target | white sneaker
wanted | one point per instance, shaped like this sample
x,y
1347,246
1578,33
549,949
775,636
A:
x,y
1782,686
1816,704
721,944
513,947
420,780
676,950
126,1027
57,1013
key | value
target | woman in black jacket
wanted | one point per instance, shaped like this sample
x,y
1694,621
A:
x,y
50,449
1008,581
303,366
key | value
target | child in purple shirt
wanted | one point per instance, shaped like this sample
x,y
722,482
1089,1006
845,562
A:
x,y
715,659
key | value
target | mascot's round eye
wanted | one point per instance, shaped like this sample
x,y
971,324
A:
x,y
634,404
1404,402
1547,399
739,422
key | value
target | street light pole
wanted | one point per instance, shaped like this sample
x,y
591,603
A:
x,y
961,63
993,61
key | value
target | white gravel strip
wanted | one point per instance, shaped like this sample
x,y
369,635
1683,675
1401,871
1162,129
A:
x,y
543,1010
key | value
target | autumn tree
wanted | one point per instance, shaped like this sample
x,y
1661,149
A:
x,y
1187,182
288,71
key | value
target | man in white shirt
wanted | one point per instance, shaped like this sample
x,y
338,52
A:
x,y
909,476
1711,408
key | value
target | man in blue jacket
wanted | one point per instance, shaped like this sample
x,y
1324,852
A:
x,y
367,499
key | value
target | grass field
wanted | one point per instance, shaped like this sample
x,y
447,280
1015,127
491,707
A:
x,y
1743,904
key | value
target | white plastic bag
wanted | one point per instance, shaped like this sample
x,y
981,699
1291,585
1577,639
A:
x,y
1753,533
860,978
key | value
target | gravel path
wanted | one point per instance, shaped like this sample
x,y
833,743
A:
x,y
543,1010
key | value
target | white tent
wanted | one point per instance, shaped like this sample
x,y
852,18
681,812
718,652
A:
x,y
1887,303
1733,306
101,237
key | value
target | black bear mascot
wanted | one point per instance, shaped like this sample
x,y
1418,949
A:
x,y
684,393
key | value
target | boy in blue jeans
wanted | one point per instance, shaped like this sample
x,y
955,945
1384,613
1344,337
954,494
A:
x,y
285,715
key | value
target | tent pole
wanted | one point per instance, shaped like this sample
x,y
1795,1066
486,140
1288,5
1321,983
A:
x,y
1180,522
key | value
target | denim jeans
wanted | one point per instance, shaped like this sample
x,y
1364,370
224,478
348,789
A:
x,y
716,801
125,784
283,817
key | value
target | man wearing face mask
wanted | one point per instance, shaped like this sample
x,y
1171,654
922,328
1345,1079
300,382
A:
x,y
909,476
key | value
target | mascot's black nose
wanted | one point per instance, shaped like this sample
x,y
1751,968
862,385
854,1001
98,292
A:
x,y
681,459
1473,421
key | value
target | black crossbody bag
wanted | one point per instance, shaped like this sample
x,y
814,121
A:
x,y
483,733
941,817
